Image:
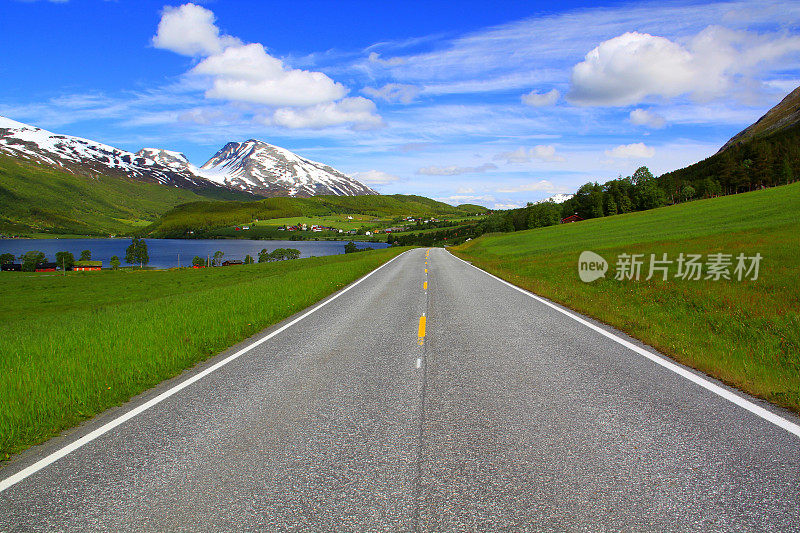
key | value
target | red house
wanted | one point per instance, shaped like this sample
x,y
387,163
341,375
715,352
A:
x,y
86,266
571,218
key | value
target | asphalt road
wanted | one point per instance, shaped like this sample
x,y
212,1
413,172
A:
x,y
508,415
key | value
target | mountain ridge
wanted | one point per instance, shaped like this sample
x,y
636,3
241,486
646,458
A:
x,y
251,167
780,117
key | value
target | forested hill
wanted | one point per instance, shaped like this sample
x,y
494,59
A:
x,y
206,215
760,161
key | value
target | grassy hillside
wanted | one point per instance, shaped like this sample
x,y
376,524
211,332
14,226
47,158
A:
x,y
746,333
205,215
72,346
37,199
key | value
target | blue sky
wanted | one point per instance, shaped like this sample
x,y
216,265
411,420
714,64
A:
x,y
494,103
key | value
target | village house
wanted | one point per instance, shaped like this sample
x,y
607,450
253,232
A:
x,y
87,266
571,218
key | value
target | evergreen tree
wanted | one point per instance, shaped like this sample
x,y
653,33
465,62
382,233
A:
x,y
787,176
86,255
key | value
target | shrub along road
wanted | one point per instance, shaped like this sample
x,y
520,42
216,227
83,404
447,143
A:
x,y
494,411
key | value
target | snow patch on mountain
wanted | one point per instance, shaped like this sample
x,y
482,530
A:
x,y
267,170
559,198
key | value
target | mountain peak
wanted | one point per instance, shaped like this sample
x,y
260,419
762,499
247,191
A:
x,y
267,170
253,166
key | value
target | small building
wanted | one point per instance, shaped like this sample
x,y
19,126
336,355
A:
x,y
11,267
87,266
232,262
571,218
46,267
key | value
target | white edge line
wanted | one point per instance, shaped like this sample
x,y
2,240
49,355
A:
x,y
66,450
767,415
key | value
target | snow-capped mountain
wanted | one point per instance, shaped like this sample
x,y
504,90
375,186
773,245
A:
x,y
174,160
253,167
266,170
90,158
559,198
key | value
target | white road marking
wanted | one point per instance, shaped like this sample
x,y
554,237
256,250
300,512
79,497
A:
x,y
419,362
89,437
759,411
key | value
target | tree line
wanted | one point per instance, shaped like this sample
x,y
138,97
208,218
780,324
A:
x,y
754,164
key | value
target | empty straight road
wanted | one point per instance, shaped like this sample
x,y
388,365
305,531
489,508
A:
x,y
507,415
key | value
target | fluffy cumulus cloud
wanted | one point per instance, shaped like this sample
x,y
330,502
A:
x,y
526,155
541,99
190,30
359,112
454,170
233,71
633,66
631,151
393,92
248,74
643,117
375,177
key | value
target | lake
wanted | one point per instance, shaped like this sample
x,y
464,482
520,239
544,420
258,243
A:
x,y
164,253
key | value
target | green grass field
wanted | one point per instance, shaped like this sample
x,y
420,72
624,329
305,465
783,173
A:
x,y
72,346
746,333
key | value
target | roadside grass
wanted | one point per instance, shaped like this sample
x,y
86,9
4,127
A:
x,y
745,333
72,346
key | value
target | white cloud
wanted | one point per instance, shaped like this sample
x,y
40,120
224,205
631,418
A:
x,y
375,177
393,92
248,74
643,117
541,185
190,30
375,57
357,111
541,99
633,66
506,206
245,73
631,151
522,155
454,170
457,199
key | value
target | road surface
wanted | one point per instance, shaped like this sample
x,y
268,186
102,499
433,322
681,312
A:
x,y
494,412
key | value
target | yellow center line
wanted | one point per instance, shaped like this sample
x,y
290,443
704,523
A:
x,y
426,270
425,285
421,331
